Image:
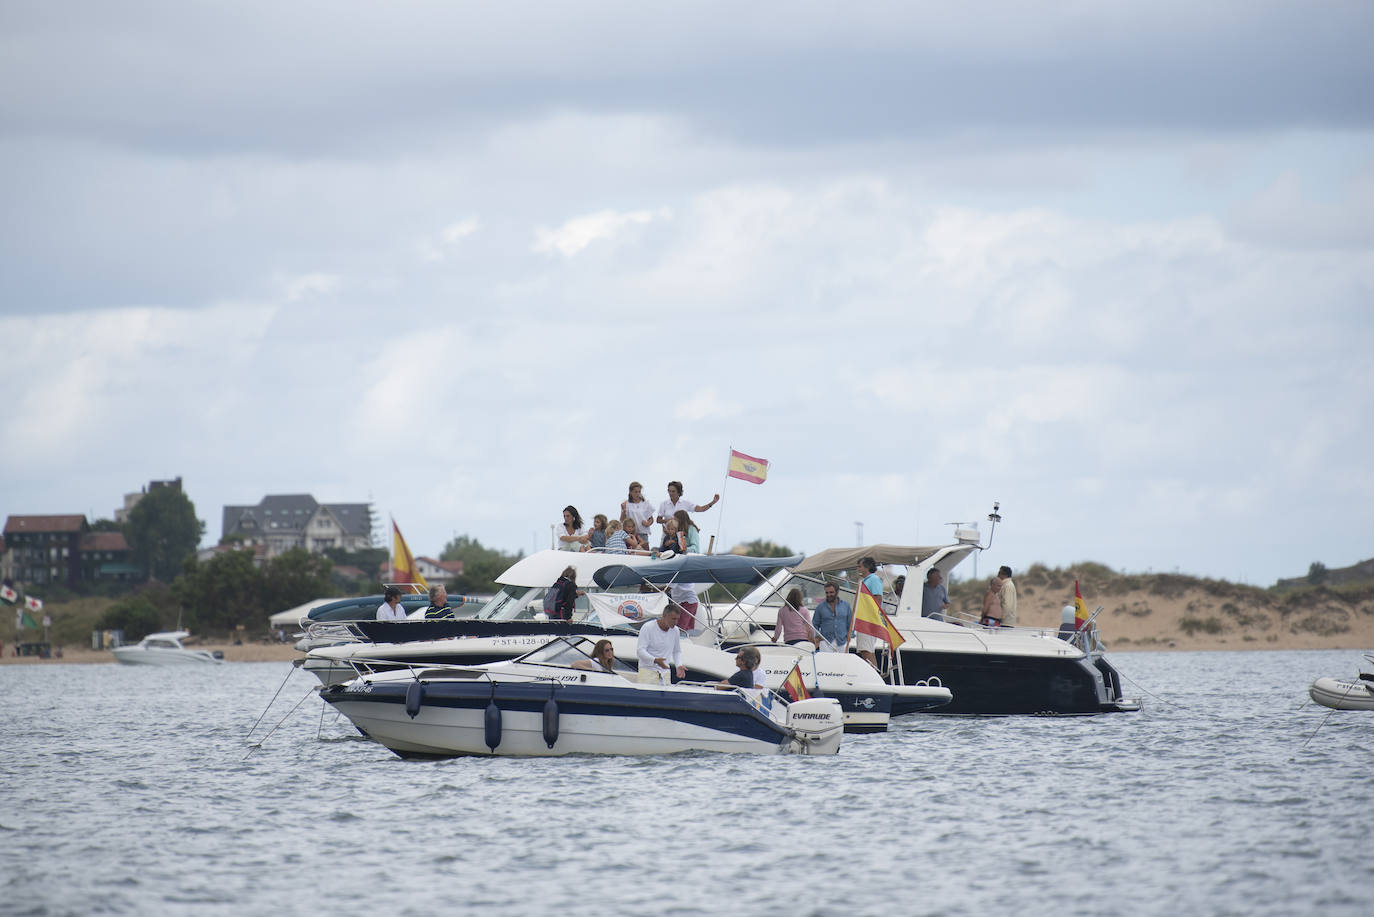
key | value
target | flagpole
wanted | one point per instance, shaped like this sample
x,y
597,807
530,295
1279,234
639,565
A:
x,y
724,484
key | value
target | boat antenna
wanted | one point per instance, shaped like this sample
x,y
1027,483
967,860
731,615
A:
x,y
994,517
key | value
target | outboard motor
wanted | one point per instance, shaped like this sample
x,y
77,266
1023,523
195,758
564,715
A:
x,y
818,723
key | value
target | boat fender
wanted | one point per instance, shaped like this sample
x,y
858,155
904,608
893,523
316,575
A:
x,y
491,721
415,698
550,721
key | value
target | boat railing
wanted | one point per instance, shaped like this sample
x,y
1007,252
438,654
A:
x,y
323,632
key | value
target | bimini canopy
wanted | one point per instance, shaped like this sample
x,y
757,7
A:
x,y
696,568
543,567
848,558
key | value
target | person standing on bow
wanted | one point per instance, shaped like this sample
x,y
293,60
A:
x,y
677,501
867,644
1007,595
438,603
660,649
831,618
391,608
992,604
639,510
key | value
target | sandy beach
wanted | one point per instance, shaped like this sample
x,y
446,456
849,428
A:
x,y
1158,612
244,652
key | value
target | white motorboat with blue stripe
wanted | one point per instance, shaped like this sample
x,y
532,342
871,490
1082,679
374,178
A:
x,y
543,704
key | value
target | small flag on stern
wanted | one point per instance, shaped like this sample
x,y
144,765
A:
x,y
33,603
402,564
748,468
1080,608
794,684
870,619
8,594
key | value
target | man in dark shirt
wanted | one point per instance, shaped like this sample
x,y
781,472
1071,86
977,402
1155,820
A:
x,y
438,603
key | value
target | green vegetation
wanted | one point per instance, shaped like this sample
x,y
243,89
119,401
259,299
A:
x,y
481,565
162,531
150,609
1209,625
229,590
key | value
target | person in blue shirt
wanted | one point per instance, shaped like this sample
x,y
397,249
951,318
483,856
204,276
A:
x,y
831,617
866,644
934,596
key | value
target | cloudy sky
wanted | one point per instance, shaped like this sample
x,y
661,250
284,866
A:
x,y
1110,264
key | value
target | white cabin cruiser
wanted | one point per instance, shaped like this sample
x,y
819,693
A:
x,y
1346,693
990,670
556,701
165,649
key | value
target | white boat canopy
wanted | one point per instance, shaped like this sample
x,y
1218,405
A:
x,y
292,616
543,567
848,558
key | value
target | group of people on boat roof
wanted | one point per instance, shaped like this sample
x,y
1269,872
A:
x,y
632,531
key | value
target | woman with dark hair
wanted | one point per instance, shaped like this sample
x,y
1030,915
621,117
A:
x,y
793,624
689,536
572,534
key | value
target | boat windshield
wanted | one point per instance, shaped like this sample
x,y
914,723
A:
x,y
568,651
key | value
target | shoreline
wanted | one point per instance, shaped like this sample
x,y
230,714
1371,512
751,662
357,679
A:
x,y
286,652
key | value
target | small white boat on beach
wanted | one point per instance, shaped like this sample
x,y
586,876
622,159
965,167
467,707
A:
x,y
165,648
1345,693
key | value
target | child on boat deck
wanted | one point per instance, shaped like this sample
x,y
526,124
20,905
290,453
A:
x,y
596,538
615,539
633,541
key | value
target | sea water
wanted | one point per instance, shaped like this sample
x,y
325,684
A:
x,y
131,790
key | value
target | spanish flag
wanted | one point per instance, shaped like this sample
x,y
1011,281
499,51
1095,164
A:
x,y
747,468
794,684
869,619
1080,608
403,568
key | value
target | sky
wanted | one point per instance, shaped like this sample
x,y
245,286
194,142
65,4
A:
x,y
1110,265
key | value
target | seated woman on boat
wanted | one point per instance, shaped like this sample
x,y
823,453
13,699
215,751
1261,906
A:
x,y
749,675
572,536
603,658
689,536
793,624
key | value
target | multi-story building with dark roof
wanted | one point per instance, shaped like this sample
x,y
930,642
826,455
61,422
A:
x,y
63,549
284,521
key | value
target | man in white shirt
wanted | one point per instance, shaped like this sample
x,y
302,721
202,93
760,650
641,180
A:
x,y
659,647
677,501
391,608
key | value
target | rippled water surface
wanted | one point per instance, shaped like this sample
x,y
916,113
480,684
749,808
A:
x,y
132,790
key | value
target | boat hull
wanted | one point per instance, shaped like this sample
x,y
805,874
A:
x,y
453,719
1011,684
132,655
1343,693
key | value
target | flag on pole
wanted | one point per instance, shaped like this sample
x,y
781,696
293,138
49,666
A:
x,y
747,468
794,684
1080,608
403,568
27,621
8,594
870,619
33,603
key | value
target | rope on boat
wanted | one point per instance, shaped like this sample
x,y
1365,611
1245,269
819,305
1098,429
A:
x,y
271,702
258,743
1322,723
